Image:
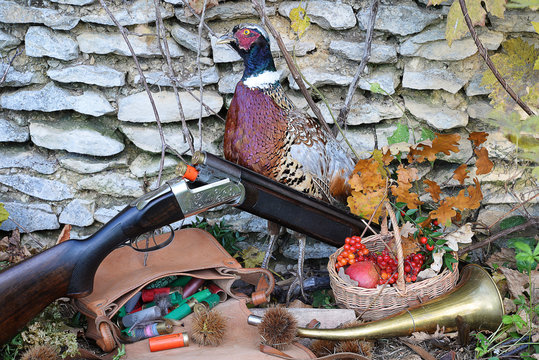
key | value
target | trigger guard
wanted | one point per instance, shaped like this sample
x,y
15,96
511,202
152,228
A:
x,y
161,245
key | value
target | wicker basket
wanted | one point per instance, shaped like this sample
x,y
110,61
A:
x,y
380,302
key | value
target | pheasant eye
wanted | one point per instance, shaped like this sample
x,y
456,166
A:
x,y
246,32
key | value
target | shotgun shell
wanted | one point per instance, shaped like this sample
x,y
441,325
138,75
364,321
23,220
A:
x,y
192,287
171,341
149,294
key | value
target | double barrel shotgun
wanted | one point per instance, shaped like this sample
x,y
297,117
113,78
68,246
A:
x,y
68,268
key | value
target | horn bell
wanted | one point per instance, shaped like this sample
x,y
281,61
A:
x,y
475,298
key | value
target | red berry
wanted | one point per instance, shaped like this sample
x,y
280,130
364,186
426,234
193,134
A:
x,y
430,247
347,240
435,222
407,268
423,240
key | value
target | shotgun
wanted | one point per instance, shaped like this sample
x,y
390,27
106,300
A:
x,y
68,268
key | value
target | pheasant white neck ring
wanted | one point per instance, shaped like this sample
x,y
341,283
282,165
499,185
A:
x,y
263,80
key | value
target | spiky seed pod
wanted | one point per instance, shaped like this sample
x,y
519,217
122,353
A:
x,y
278,327
354,346
208,328
40,352
323,347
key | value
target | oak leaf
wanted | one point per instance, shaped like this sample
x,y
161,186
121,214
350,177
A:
x,y
470,201
433,189
402,194
366,176
406,175
445,212
461,173
483,163
478,137
364,204
444,143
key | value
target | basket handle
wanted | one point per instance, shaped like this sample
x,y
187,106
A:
x,y
401,284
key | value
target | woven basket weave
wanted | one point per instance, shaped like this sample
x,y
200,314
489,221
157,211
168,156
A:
x,y
380,302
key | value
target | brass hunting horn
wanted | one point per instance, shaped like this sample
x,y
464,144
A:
x,y
475,298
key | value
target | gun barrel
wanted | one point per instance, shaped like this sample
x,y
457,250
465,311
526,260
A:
x,y
290,208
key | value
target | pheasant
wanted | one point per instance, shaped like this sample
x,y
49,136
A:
x,y
266,133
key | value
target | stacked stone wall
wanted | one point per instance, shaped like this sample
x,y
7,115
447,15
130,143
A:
x,y
78,138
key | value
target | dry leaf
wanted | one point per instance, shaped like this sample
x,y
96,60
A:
x,y
504,257
65,234
419,336
435,267
461,173
462,235
403,194
445,212
433,189
407,229
478,137
483,163
444,143
516,281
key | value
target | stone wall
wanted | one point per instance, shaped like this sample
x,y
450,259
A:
x,y
78,138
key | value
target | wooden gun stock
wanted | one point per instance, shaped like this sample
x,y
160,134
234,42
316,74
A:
x,y
68,269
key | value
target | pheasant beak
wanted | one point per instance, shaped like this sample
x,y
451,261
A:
x,y
226,39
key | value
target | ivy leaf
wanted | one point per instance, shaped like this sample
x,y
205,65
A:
x,y
427,134
483,163
3,214
401,134
516,66
461,173
300,20
512,222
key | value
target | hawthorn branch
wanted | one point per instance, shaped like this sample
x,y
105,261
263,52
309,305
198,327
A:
x,y
484,54
201,85
532,222
345,110
293,70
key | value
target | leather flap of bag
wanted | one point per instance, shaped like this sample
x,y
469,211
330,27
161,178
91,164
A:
x,y
123,270
241,341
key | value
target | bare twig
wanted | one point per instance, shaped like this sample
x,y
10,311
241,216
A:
x,y
343,113
293,70
513,209
187,5
484,54
532,222
10,62
166,52
25,230
123,31
201,85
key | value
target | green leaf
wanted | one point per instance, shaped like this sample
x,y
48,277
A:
x,y
512,222
427,134
525,248
436,234
3,214
421,219
401,134
377,89
456,27
526,240
411,212
518,4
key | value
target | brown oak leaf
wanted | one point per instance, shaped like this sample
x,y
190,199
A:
x,y
461,173
445,212
446,143
483,163
470,201
433,189
406,175
364,204
478,137
403,194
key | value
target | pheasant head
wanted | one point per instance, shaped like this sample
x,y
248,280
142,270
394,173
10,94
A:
x,y
252,43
